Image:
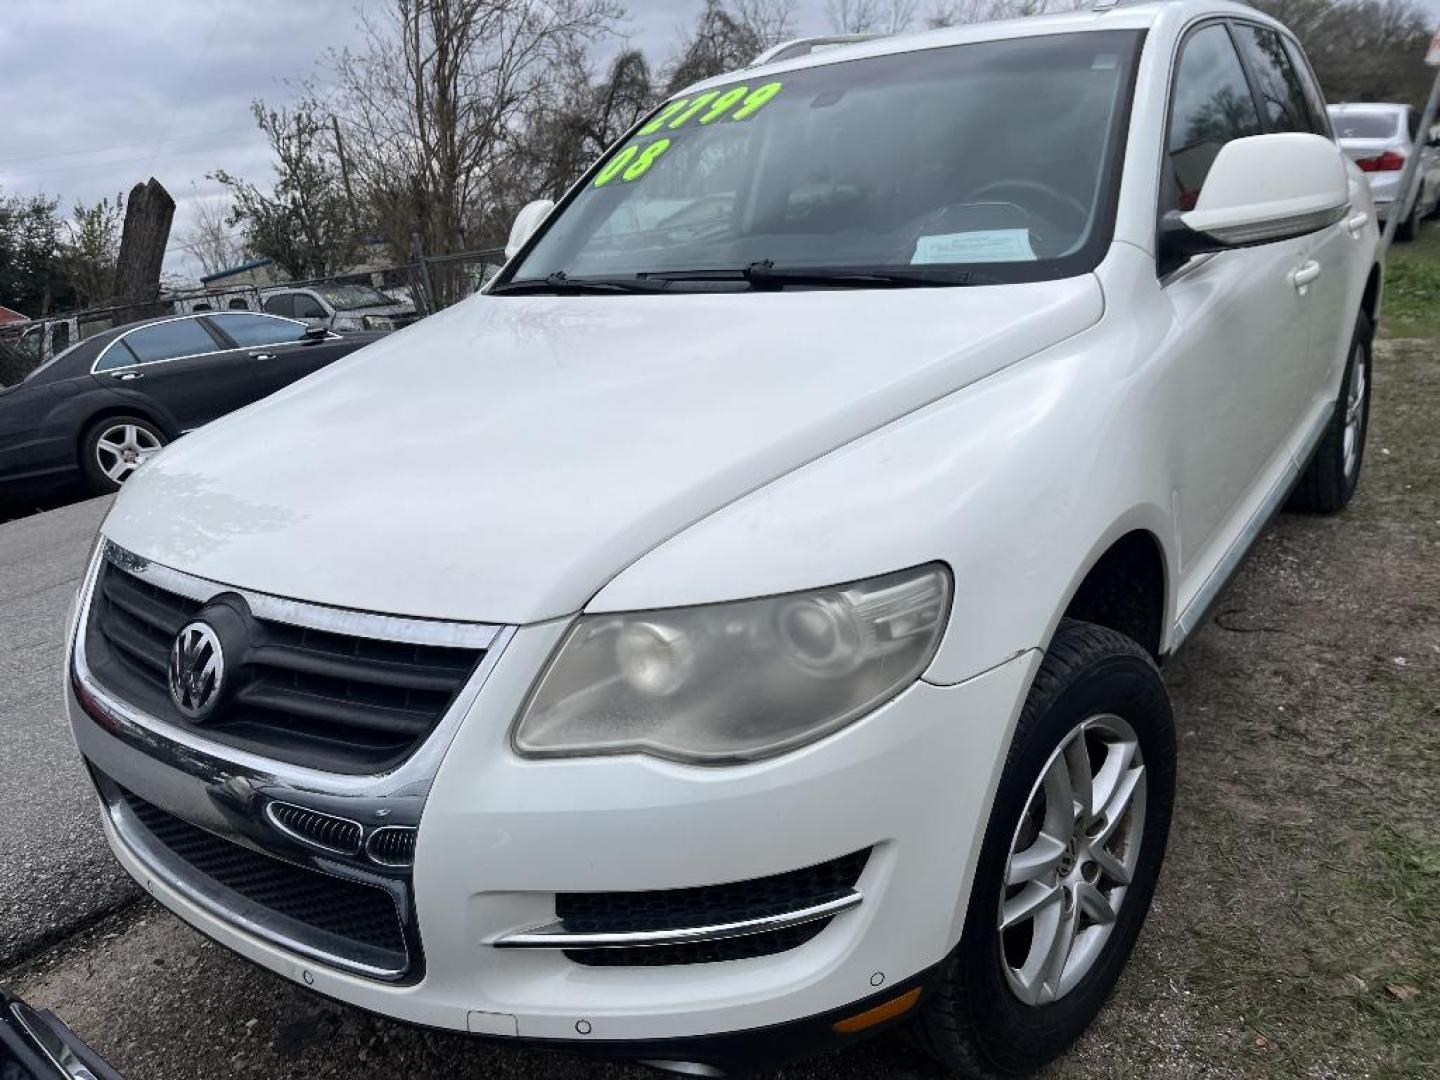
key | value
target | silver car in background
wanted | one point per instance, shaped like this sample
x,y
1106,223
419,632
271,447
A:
x,y
1380,138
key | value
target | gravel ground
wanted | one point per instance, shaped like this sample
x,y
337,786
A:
x,y
1296,932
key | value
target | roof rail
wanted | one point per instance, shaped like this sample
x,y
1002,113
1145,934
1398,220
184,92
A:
x,y
789,50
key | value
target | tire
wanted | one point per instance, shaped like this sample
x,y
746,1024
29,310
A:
x,y
1329,481
976,1021
114,447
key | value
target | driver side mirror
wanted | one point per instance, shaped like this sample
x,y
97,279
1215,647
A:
x,y
314,333
1261,189
526,222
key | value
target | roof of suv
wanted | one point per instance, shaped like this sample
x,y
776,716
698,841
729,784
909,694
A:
x,y
1120,17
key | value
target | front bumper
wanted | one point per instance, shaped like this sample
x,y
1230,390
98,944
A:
x,y
500,836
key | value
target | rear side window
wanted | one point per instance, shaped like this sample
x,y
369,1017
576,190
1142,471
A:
x,y
1365,125
280,305
1211,104
169,340
307,307
1281,95
249,330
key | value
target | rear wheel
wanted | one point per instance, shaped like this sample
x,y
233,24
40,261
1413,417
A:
x,y
1069,863
1410,227
1329,481
113,448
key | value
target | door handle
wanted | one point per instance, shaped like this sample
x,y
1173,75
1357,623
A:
x,y
1356,223
262,356
1305,275
126,376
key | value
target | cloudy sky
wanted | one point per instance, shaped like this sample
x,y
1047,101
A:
x,y
96,95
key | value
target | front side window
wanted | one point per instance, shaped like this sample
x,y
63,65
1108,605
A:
x,y
1000,158
1281,93
1210,105
246,330
163,341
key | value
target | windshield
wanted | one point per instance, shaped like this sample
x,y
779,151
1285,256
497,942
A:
x,y
1364,125
349,297
1001,156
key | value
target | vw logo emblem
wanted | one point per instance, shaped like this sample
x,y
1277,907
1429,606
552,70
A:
x,y
197,670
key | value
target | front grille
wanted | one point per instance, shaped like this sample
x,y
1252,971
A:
x,y
326,700
323,830
347,919
709,905
393,845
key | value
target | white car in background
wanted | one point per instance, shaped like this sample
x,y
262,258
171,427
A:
x,y
338,307
1380,138
735,631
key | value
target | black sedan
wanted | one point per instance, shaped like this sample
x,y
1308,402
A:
x,y
97,410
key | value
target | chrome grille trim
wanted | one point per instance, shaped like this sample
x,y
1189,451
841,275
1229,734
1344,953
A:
x,y
312,616
328,829
555,936
140,728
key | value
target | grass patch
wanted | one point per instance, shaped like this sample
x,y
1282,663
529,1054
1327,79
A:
x,y
1412,286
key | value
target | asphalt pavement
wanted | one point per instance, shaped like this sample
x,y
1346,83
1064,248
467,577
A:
x,y
56,874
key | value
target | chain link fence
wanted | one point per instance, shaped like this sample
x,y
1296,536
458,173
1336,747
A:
x,y
416,289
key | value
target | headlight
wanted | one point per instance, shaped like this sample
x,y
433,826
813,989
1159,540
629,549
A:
x,y
739,681
378,322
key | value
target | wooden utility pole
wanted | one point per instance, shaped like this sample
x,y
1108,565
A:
x,y
148,213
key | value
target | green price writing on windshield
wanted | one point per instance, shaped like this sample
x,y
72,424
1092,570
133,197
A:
x,y
713,104
634,161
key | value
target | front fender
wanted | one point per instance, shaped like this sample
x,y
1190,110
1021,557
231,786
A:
x,y
1018,482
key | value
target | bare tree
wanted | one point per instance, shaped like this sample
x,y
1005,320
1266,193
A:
x,y
960,12
210,239
436,99
721,41
870,16
771,21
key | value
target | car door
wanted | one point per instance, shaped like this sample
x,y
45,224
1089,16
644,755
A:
x,y
1338,251
1286,106
180,364
277,351
1240,329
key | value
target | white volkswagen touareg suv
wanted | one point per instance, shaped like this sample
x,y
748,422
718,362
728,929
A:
x,y
737,630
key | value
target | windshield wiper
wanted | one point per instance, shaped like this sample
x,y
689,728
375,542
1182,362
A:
x,y
561,283
765,274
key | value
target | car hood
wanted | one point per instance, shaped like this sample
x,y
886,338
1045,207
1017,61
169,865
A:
x,y
502,460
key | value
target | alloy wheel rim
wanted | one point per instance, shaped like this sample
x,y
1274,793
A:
x,y
1072,858
1355,410
122,449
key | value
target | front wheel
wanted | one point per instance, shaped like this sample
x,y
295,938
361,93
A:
x,y
113,448
1069,862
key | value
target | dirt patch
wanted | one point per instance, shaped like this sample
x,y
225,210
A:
x,y
1297,928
